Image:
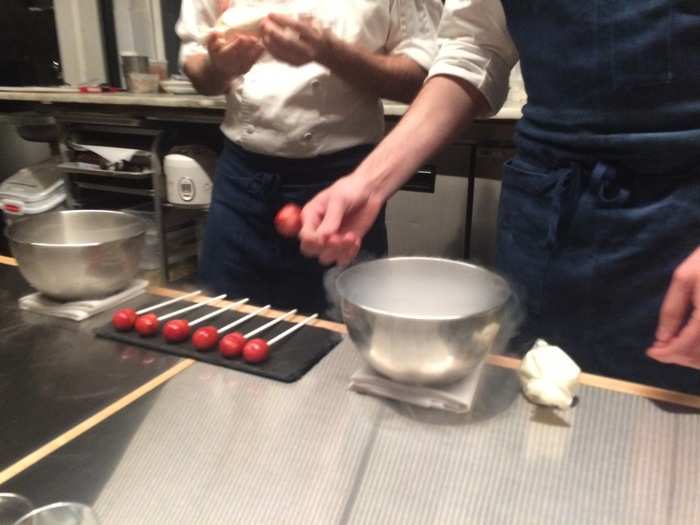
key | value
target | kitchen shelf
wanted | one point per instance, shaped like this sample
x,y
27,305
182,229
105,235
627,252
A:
x,y
203,207
83,168
86,180
183,254
114,189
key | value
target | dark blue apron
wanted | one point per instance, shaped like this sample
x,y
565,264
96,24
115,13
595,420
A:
x,y
243,256
602,201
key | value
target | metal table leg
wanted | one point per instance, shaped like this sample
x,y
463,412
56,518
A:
x,y
471,181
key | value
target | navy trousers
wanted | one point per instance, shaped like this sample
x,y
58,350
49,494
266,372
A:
x,y
591,252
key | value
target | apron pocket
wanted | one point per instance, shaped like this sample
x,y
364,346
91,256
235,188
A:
x,y
528,215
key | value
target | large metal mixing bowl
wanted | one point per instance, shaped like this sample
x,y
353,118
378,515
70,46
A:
x,y
423,320
79,254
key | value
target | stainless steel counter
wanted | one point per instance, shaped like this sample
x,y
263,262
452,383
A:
x,y
54,373
215,446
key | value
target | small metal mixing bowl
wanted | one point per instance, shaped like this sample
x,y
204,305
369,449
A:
x,y
77,254
423,320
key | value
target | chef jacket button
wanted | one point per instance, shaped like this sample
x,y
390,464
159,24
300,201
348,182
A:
x,y
250,130
315,83
307,136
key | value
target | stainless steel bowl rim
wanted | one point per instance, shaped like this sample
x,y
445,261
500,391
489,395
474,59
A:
x,y
79,244
457,317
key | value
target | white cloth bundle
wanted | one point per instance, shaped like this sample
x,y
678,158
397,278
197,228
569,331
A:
x,y
549,376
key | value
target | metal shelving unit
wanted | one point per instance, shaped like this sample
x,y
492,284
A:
x,y
148,184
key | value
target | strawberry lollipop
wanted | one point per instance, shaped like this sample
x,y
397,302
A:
x,y
177,330
288,220
258,350
231,345
125,318
148,325
205,338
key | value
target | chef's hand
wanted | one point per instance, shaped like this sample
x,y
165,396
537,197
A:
x,y
296,42
335,221
678,332
235,57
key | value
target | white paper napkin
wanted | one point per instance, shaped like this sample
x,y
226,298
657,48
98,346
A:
x,y
456,397
113,154
79,310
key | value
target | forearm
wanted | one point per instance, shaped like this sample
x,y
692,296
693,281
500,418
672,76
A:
x,y
442,109
395,77
205,78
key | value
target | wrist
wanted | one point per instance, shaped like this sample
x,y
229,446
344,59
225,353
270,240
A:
x,y
374,182
387,168
220,78
215,71
329,50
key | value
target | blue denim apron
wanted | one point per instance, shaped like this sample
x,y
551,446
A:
x,y
602,201
242,255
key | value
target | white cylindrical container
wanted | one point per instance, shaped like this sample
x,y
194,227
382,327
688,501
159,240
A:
x,y
189,175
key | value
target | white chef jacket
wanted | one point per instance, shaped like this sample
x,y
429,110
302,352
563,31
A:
x,y
475,46
301,112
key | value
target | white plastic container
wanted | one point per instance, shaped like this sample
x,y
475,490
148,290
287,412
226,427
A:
x,y
33,190
144,83
189,174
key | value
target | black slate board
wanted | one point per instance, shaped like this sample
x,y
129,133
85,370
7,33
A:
x,y
289,359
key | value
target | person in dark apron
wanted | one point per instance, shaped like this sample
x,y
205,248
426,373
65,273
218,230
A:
x,y
602,202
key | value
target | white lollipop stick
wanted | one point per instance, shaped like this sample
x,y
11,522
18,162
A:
x,y
189,308
268,325
218,312
242,320
167,303
291,330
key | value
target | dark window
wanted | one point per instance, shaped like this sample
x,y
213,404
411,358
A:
x,y
29,44
170,13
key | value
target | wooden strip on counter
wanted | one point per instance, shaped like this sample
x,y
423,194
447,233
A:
x,y
617,385
92,421
503,361
635,389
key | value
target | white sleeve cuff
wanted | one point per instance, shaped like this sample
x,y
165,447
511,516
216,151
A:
x,y
486,71
413,30
420,51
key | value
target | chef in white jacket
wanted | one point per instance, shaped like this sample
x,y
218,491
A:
x,y
304,89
